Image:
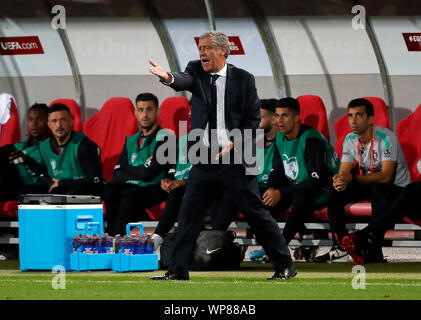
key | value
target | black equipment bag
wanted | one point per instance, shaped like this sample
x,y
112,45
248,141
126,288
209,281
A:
x,y
215,250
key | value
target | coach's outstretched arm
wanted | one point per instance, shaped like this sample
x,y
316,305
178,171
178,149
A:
x,y
179,81
160,73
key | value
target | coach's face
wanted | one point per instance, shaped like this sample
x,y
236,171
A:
x,y
211,56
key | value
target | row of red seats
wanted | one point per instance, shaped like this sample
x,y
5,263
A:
x,y
116,120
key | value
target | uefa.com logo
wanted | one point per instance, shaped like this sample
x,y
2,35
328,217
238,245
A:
x,y
247,147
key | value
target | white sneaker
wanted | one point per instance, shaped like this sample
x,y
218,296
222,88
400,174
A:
x,y
334,255
157,241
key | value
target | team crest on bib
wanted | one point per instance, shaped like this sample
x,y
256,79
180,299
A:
x,y
134,156
290,166
53,164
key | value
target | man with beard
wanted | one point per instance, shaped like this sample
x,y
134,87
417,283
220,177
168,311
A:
x,y
137,176
71,161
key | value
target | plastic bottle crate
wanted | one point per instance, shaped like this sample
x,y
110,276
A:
x,y
80,261
134,262
137,262
91,261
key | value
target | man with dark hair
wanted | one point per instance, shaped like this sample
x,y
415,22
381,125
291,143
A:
x,y
147,96
270,127
303,166
137,176
17,168
71,161
379,174
224,98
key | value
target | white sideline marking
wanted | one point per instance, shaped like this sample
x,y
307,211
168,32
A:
x,y
344,283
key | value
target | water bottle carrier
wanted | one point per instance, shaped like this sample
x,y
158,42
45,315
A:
x,y
134,262
119,262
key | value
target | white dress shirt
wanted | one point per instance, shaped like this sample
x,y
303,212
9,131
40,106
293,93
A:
x,y
220,110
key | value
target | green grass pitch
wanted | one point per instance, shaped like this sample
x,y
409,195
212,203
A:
x,y
394,281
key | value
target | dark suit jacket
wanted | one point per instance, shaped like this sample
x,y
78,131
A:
x,y
242,104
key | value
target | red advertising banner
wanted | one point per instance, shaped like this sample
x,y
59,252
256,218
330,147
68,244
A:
x,y
413,41
20,45
236,47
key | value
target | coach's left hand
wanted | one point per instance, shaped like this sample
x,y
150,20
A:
x,y
227,148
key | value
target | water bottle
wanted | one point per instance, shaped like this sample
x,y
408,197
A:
x,y
77,242
107,244
149,245
87,244
96,244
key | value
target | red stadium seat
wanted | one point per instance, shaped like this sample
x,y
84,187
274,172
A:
x,y
174,110
10,134
10,131
408,220
356,211
381,119
9,210
313,113
109,127
409,135
74,110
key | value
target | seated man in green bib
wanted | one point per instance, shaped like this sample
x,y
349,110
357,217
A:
x,y
71,161
303,166
137,176
18,170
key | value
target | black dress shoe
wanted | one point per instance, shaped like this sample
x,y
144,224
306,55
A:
x,y
284,274
170,276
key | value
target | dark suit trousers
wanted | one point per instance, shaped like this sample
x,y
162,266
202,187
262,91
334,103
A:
x,y
201,185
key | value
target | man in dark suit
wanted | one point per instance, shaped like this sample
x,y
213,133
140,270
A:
x,y
224,98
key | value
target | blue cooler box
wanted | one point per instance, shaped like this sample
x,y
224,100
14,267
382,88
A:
x,y
47,225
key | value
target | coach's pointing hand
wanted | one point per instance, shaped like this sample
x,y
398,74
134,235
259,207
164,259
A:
x,y
159,72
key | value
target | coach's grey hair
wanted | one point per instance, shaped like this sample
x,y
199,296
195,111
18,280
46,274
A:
x,y
219,39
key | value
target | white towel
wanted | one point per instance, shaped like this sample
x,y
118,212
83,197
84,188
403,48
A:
x,y
5,108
